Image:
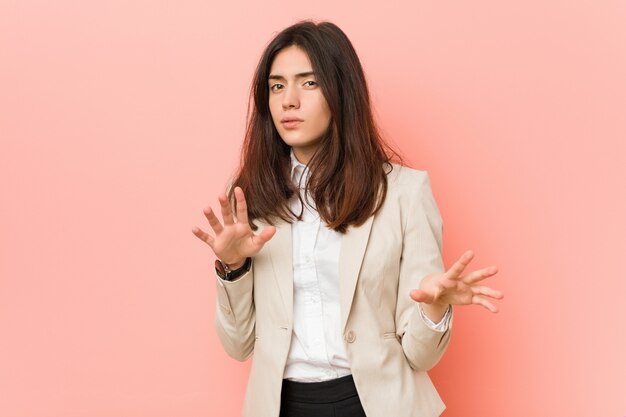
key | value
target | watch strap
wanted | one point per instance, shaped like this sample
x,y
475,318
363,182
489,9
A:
x,y
226,274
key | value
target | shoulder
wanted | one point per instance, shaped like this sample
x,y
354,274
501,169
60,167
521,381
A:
x,y
409,187
409,198
400,177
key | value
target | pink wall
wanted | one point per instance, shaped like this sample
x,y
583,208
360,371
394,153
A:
x,y
121,120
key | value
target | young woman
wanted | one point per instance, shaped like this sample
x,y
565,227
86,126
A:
x,y
329,266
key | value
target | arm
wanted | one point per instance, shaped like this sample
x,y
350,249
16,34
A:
x,y
421,256
235,316
440,290
232,243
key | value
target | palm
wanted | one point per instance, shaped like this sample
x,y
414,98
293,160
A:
x,y
452,287
234,241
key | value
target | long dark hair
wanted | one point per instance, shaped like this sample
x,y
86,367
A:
x,y
348,180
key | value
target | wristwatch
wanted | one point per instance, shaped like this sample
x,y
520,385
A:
x,y
224,272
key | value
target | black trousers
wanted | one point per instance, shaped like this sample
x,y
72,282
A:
x,y
334,398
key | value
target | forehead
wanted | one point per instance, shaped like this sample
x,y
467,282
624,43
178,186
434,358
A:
x,y
290,61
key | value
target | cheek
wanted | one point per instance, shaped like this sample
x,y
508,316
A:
x,y
325,119
323,115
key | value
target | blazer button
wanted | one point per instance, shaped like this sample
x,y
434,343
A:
x,y
350,336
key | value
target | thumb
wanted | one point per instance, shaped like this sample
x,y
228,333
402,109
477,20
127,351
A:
x,y
266,234
421,296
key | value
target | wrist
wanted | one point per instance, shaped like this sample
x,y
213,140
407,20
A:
x,y
435,306
435,311
230,272
235,264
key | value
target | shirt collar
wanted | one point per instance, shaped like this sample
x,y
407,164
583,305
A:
x,y
300,174
298,170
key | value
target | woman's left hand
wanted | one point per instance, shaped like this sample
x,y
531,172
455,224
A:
x,y
451,287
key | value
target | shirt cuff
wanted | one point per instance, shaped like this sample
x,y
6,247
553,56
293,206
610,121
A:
x,y
442,326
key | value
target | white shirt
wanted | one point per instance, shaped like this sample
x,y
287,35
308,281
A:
x,y
317,352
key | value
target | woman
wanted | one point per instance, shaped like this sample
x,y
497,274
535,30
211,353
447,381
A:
x,y
329,265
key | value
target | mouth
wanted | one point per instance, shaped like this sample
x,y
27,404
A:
x,y
291,123
290,119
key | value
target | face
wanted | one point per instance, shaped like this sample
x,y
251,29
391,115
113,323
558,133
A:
x,y
295,95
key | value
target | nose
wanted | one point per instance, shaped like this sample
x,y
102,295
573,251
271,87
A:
x,y
291,98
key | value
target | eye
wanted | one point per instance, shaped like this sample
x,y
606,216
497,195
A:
x,y
314,83
275,85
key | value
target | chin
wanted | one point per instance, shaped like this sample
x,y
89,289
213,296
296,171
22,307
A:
x,y
294,140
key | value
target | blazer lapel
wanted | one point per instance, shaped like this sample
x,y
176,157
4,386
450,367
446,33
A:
x,y
352,251
281,254
353,245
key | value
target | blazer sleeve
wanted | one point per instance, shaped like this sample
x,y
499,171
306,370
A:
x,y
235,315
421,256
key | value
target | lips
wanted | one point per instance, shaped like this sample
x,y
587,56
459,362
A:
x,y
291,122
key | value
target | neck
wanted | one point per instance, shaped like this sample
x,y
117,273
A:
x,y
304,155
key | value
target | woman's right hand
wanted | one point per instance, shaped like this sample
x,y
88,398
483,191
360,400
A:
x,y
234,241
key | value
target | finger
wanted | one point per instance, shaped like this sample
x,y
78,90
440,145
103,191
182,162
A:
x,y
203,236
481,301
242,207
227,213
479,275
213,221
489,292
456,270
421,296
266,234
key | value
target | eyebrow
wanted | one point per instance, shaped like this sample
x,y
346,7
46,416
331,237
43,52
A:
x,y
299,75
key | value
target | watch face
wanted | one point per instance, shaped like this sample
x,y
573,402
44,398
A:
x,y
219,267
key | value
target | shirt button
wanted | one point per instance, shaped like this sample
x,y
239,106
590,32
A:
x,y
350,336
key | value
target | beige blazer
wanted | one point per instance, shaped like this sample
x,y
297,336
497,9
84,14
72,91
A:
x,y
389,345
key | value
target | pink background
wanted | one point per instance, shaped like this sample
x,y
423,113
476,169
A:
x,y
120,120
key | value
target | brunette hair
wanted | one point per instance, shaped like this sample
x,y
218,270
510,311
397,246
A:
x,y
348,180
